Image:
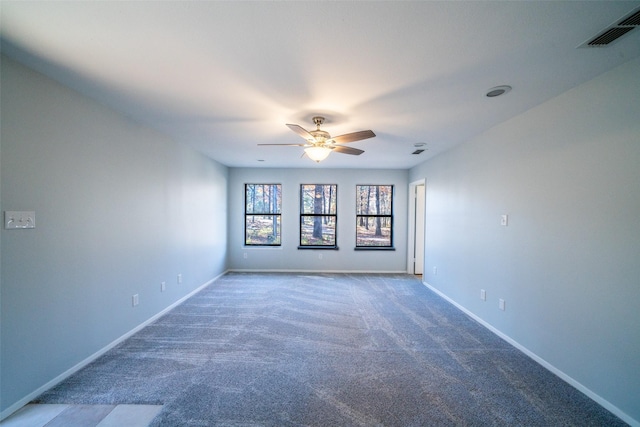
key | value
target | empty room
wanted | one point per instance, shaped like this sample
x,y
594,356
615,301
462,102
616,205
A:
x,y
320,213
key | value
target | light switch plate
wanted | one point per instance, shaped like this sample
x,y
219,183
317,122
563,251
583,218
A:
x,y
14,220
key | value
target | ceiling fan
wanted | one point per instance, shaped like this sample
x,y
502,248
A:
x,y
320,143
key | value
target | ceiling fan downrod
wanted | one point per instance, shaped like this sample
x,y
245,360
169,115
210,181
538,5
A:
x,y
318,120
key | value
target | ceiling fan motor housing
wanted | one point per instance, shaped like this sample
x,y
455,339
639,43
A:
x,y
320,135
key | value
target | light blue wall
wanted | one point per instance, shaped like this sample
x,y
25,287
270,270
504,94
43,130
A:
x,y
119,209
568,264
288,256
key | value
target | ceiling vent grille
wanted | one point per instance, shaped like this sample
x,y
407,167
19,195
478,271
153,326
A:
x,y
633,20
417,152
614,32
610,36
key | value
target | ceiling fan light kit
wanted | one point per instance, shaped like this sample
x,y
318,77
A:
x,y
317,154
320,144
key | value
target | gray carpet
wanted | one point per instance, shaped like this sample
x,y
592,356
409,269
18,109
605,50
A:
x,y
326,350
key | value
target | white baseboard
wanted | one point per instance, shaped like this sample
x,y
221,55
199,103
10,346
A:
x,y
262,270
562,375
28,398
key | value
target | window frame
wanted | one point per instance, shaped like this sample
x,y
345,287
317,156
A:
x,y
334,216
390,216
278,214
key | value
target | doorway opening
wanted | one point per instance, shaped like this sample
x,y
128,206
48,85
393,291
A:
x,y
415,250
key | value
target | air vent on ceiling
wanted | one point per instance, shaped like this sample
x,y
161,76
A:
x,y
615,31
417,152
633,19
609,36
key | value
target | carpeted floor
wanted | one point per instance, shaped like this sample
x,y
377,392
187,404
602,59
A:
x,y
326,350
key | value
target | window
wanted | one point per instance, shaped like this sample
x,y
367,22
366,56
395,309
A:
x,y
318,216
374,216
262,210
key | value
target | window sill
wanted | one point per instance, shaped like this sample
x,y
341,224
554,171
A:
x,y
335,248
374,248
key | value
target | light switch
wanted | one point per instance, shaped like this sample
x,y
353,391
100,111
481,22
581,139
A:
x,y
19,219
504,220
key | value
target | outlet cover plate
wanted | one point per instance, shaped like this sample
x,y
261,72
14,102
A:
x,y
15,220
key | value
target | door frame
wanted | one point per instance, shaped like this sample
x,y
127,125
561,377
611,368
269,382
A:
x,y
411,221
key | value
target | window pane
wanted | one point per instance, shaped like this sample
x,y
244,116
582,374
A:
x,y
373,231
262,230
374,199
263,198
318,199
317,230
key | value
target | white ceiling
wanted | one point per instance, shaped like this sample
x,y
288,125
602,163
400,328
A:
x,y
225,76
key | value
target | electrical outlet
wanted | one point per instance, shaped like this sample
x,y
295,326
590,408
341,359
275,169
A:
x,y
483,295
135,300
319,256
245,255
179,278
501,304
19,219
163,286
435,271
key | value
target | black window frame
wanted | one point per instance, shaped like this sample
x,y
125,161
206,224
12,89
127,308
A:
x,y
263,213
305,215
360,215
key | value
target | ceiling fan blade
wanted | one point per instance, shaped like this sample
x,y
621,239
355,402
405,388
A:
x,y
302,132
289,145
347,150
352,137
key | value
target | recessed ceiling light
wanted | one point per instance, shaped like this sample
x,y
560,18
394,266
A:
x,y
498,90
419,144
